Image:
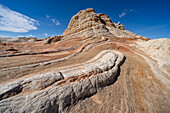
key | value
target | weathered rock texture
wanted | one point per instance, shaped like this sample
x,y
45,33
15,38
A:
x,y
96,66
159,50
87,23
19,39
74,83
49,40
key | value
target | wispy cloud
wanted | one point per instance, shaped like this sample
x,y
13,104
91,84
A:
x,y
30,36
52,20
45,34
125,11
15,22
21,36
47,16
56,22
121,15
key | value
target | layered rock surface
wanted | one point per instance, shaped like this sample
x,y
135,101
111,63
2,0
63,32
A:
x,y
159,50
69,85
96,66
87,23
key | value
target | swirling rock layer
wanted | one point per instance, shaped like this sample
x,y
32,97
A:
x,y
69,85
81,71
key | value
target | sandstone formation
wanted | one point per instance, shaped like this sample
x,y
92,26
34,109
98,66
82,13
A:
x,y
87,23
95,66
9,40
19,39
159,50
70,85
49,40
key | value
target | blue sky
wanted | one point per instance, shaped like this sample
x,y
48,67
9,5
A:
x,y
42,18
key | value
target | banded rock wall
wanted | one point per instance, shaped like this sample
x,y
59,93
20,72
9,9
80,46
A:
x,y
87,23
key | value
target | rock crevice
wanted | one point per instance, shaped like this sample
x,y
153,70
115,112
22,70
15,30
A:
x,y
100,71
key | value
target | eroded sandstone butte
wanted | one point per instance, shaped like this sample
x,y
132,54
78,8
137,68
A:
x,y
95,66
87,23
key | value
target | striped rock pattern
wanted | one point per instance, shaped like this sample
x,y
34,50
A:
x,y
54,91
87,23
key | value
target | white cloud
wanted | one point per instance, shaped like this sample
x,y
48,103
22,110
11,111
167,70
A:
x,y
21,36
45,34
52,21
125,11
30,35
56,22
15,22
47,16
121,15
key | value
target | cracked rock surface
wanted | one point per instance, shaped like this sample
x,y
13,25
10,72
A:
x,y
54,91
